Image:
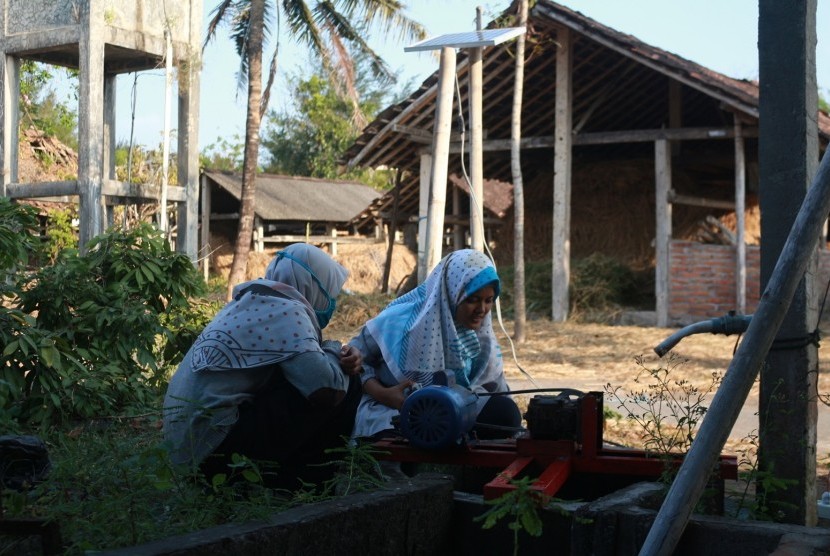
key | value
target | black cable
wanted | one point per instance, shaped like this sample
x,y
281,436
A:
x,y
796,343
490,426
568,391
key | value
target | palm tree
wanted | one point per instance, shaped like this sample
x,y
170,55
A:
x,y
332,30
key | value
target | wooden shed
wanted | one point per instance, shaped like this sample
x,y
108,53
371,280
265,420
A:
x,y
642,147
287,208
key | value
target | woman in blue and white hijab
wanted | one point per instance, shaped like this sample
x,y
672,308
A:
x,y
443,325
259,380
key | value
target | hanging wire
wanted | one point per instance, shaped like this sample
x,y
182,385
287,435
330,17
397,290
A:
x,y
133,96
477,207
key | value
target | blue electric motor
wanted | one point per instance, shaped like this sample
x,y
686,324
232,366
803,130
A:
x,y
437,417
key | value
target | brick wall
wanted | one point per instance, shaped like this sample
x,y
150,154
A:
x,y
702,280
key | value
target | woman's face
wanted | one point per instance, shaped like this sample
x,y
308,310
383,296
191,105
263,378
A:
x,y
472,310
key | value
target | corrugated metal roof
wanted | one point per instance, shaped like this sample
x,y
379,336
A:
x,y
300,198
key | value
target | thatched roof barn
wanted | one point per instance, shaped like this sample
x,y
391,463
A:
x,y
649,157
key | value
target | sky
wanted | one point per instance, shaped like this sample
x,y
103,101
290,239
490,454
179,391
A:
x,y
719,34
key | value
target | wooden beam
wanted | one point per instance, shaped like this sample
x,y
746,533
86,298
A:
x,y
617,137
561,274
320,239
423,209
740,214
677,199
418,135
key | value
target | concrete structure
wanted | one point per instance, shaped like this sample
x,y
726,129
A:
x,y
423,515
103,38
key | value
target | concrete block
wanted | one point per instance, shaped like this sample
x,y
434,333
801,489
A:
x,y
404,517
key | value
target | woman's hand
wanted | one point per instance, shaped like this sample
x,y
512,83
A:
x,y
351,360
392,396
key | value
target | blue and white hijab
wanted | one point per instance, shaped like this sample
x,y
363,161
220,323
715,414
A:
x,y
418,336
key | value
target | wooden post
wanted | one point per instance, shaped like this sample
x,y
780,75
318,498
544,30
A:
x,y
333,233
423,209
457,228
259,243
440,159
476,146
740,216
563,142
663,229
393,228
675,111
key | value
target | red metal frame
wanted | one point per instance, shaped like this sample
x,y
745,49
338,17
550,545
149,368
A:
x,y
558,458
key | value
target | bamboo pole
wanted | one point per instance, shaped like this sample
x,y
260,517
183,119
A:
x,y
726,405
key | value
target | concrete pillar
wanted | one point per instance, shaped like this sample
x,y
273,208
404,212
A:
x,y
91,124
788,158
9,117
189,71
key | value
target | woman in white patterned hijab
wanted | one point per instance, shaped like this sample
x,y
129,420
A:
x,y
443,325
259,380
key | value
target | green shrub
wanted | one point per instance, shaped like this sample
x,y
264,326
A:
x,y
600,287
92,349
18,235
59,233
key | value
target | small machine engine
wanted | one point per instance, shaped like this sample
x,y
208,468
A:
x,y
438,416
555,417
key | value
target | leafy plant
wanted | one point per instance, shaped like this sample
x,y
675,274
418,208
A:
x,y
521,505
356,469
755,503
18,235
667,409
60,234
91,348
112,485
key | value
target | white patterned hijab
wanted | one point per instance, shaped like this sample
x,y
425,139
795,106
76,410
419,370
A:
x,y
417,333
271,319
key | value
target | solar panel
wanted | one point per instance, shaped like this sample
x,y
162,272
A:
x,y
469,39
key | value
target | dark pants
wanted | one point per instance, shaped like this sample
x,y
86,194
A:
x,y
499,418
280,426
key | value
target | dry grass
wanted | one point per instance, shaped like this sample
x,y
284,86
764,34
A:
x,y
364,262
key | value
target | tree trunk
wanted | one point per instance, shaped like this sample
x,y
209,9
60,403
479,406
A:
x,y
244,235
518,186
